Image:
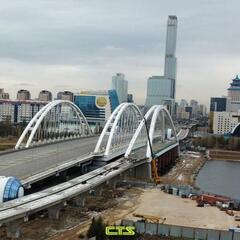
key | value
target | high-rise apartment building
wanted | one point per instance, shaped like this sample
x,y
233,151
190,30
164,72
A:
x,y
45,95
19,110
23,95
121,86
66,95
3,95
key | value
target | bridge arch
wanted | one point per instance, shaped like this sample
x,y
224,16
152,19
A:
x,y
119,128
54,111
161,130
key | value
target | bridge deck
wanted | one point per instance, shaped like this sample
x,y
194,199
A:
x,y
25,163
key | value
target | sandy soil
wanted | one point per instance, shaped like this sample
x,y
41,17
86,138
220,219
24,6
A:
x,y
180,211
185,170
176,210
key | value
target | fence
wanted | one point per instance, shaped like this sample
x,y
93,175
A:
x,y
181,231
186,190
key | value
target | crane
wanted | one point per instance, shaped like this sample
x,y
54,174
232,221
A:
x,y
149,218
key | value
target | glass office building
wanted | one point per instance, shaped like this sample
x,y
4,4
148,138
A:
x,y
218,104
97,106
159,89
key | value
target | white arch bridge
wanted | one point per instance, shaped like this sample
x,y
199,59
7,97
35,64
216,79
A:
x,y
43,146
129,140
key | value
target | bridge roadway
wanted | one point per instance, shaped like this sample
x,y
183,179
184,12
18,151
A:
x,y
23,207
27,162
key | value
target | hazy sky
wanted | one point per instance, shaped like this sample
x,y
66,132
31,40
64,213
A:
x,y
79,45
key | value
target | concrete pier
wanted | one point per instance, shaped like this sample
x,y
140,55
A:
x,y
54,212
13,229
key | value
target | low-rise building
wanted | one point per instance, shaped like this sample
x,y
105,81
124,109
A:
x,y
224,122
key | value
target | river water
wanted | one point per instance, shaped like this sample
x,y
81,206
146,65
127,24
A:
x,y
220,177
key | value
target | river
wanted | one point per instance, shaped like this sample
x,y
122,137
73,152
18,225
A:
x,y
220,177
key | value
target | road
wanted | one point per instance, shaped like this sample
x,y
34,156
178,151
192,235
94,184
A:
x,y
23,164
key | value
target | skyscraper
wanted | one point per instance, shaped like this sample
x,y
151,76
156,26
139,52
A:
x,y
170,68
161,89
121,86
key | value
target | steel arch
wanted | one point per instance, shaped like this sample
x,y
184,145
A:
x,y
112,125
39,116
154,111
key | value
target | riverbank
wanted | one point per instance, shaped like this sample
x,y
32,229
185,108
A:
x,y
186,169
218,154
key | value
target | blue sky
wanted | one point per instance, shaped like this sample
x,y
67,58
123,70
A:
x,y
78,45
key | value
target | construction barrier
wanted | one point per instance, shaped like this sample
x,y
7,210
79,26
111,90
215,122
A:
x,y
181,231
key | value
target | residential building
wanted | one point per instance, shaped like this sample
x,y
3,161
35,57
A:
x,y
23,95
130,98
19,110
65,95
3,95
45,95
224,122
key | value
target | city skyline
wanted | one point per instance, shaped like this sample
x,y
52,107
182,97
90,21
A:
x,y
74,46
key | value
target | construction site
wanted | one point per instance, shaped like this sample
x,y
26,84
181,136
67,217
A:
x,y
147,202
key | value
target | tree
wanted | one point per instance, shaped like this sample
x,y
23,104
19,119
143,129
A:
x,y
97,229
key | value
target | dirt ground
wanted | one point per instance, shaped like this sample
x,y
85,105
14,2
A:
x,y
151,201
186,169
154,202
181,211
119,204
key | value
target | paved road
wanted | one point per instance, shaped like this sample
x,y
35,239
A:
x,y
25,163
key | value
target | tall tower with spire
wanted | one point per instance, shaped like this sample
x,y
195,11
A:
x,y
170,67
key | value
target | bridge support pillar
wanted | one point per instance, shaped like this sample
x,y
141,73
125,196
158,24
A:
x,y
97,191
13,229
80,200
112,183
54,212
143,171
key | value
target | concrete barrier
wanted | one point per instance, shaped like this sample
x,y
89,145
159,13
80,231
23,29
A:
x,y
181,231
226,235
236,236
187,232
152,228
163,230
175,231
140,227
213,234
